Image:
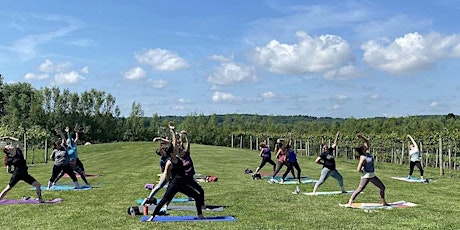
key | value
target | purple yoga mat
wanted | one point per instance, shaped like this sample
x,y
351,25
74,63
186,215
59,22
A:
x,y
29,201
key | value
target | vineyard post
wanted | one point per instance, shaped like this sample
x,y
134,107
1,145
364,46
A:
x,y
46,151
241,141
450,161
25,146
232,141
441,167
250,142
402,154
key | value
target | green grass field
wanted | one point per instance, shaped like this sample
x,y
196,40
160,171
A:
x,y
124,168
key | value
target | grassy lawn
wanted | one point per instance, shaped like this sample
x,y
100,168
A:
x,y
124,168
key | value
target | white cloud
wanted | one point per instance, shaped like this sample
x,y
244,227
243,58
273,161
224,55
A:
x,y
343,73
49,67
135,73
178,107
27,47
434,104
268,94
85,69
374,97
32,76
333,107
182,101
162,60
221,58
411,53
339,97
231,73
160,83
224,97
309,55
68,78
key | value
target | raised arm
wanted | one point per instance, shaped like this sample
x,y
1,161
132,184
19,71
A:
x,y
174,140
10,138
365,139
413,141
336,139
59,133
164,140
187,142
76,135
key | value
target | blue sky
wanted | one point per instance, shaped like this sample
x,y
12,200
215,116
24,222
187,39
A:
x,y
277,57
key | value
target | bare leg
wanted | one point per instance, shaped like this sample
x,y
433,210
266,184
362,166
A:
x,y
5,191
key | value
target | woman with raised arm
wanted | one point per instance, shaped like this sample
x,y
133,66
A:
x,y
189,167
326,158
73,157
291,159
414,155
178,182
60,157
280,149
367,170
13,157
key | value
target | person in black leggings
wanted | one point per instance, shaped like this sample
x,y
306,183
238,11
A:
x,y
178,181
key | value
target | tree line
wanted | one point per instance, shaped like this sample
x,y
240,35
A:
x,y
25,110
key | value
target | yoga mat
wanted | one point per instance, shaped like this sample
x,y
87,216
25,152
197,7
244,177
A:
x,y
78,175
399,204
182,200
151,186
187,218
185,208
303,181
64,188
326,193
277,177
30,201
412,179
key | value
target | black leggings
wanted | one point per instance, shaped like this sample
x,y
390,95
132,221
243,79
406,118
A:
x,y
267,160
184,186
66,168
412,165
290,167
279,165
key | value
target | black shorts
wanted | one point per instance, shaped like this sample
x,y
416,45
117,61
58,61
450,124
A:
x,y
17,176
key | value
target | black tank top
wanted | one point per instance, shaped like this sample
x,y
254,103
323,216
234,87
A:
x,y
177,169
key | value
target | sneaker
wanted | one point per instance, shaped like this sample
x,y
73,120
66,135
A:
x,y
409,177
344,192
41,201
162,211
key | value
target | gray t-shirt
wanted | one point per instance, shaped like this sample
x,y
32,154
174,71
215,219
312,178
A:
x,y
60,157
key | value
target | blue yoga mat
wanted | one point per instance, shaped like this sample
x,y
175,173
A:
x,y
64,188
187,218
139,201
413,179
